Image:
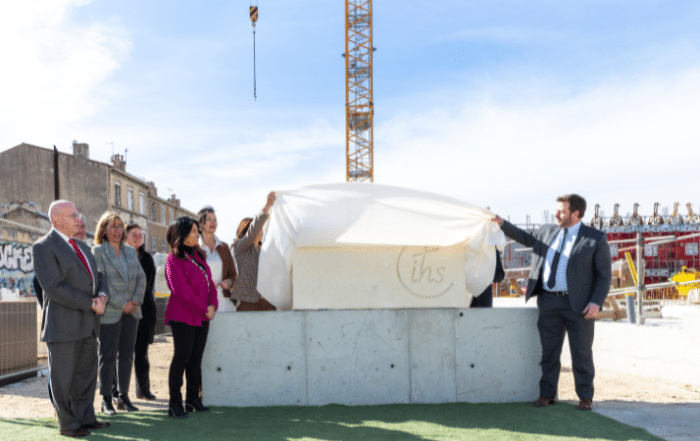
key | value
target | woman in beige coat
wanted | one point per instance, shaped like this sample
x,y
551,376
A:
x,y
247,251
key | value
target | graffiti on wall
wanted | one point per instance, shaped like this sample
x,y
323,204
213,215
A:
x,y
16,271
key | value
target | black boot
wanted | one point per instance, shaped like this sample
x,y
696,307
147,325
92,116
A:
x,y
148,396
176,411
143,389
107,407
125,404
196,406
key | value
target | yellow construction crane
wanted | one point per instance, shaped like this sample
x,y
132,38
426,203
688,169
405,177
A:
x,y
359,101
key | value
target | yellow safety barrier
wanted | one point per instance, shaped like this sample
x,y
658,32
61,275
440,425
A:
x,y
633,271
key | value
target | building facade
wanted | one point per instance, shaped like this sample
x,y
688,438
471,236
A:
x,y
30,173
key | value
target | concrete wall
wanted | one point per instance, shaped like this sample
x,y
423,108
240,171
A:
x,y
358,357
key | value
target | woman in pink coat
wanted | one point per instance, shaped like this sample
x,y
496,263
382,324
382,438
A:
x,y
191,306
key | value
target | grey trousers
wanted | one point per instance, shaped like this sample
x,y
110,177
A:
x,y
73,374
117,349
555,319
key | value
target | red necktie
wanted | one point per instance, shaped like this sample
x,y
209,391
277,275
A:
x,y
80,255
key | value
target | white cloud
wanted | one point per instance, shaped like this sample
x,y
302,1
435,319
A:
x,y
56,69
626,143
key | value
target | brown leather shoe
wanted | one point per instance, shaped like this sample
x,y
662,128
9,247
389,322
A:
x,y
544,402
96,425
585,404
75,433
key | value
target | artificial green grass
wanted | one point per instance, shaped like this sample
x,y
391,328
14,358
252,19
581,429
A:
x,y
405,422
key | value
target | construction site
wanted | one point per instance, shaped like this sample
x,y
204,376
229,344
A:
x,y
654,258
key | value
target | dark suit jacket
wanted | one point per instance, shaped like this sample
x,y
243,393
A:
x,y
588,273
68,289
148,307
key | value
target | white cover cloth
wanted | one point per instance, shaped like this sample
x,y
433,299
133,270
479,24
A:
x,y
352,214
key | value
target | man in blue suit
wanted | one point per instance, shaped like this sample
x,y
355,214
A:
x,y
570,275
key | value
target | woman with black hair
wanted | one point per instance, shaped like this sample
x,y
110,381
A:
x,y
191,306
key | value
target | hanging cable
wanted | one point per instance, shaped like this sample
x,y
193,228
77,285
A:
x,y
254,19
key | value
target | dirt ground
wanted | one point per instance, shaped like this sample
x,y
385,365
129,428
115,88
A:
x,y
622,375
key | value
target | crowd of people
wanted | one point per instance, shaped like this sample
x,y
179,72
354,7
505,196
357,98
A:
x,y
99,309
99,312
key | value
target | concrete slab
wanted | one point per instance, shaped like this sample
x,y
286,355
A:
x,y
489,343
383,356
432,356
672,422
357,357
255,359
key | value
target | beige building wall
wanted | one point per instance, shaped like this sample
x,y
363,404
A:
x,y
27,174
128,197
162,213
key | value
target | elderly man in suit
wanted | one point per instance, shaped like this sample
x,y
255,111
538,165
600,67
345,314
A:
x,y
75,295
570,275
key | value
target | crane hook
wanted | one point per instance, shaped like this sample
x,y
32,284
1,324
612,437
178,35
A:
x,y
254,20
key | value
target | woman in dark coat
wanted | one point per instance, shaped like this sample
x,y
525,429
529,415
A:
x,y
147,325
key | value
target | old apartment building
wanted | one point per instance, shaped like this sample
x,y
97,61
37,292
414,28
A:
x,y
29,173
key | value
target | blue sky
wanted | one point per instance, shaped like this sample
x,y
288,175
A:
x,y
504,104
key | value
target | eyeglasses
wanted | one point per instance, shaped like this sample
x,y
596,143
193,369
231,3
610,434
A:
x,y
116,227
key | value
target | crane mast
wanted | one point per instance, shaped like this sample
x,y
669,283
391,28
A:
x,y
359,101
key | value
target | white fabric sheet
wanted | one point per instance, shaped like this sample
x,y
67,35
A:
x,y
352,214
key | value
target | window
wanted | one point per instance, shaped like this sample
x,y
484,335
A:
x,y
117,193
172,215
142,203
651,250
165,249
162,214
130,199
154,212
154,245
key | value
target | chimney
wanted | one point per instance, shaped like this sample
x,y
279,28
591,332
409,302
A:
x,y
173,200
81,150
152,190
118,162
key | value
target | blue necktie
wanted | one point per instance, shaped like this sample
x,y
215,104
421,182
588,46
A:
x,y
551,281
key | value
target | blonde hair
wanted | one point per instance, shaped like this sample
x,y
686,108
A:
x,y
105,219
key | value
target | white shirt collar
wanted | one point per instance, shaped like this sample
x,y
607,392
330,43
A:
x,y
573,230
66,238
205,247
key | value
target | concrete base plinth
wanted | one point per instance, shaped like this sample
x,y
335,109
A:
x,y
358,357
